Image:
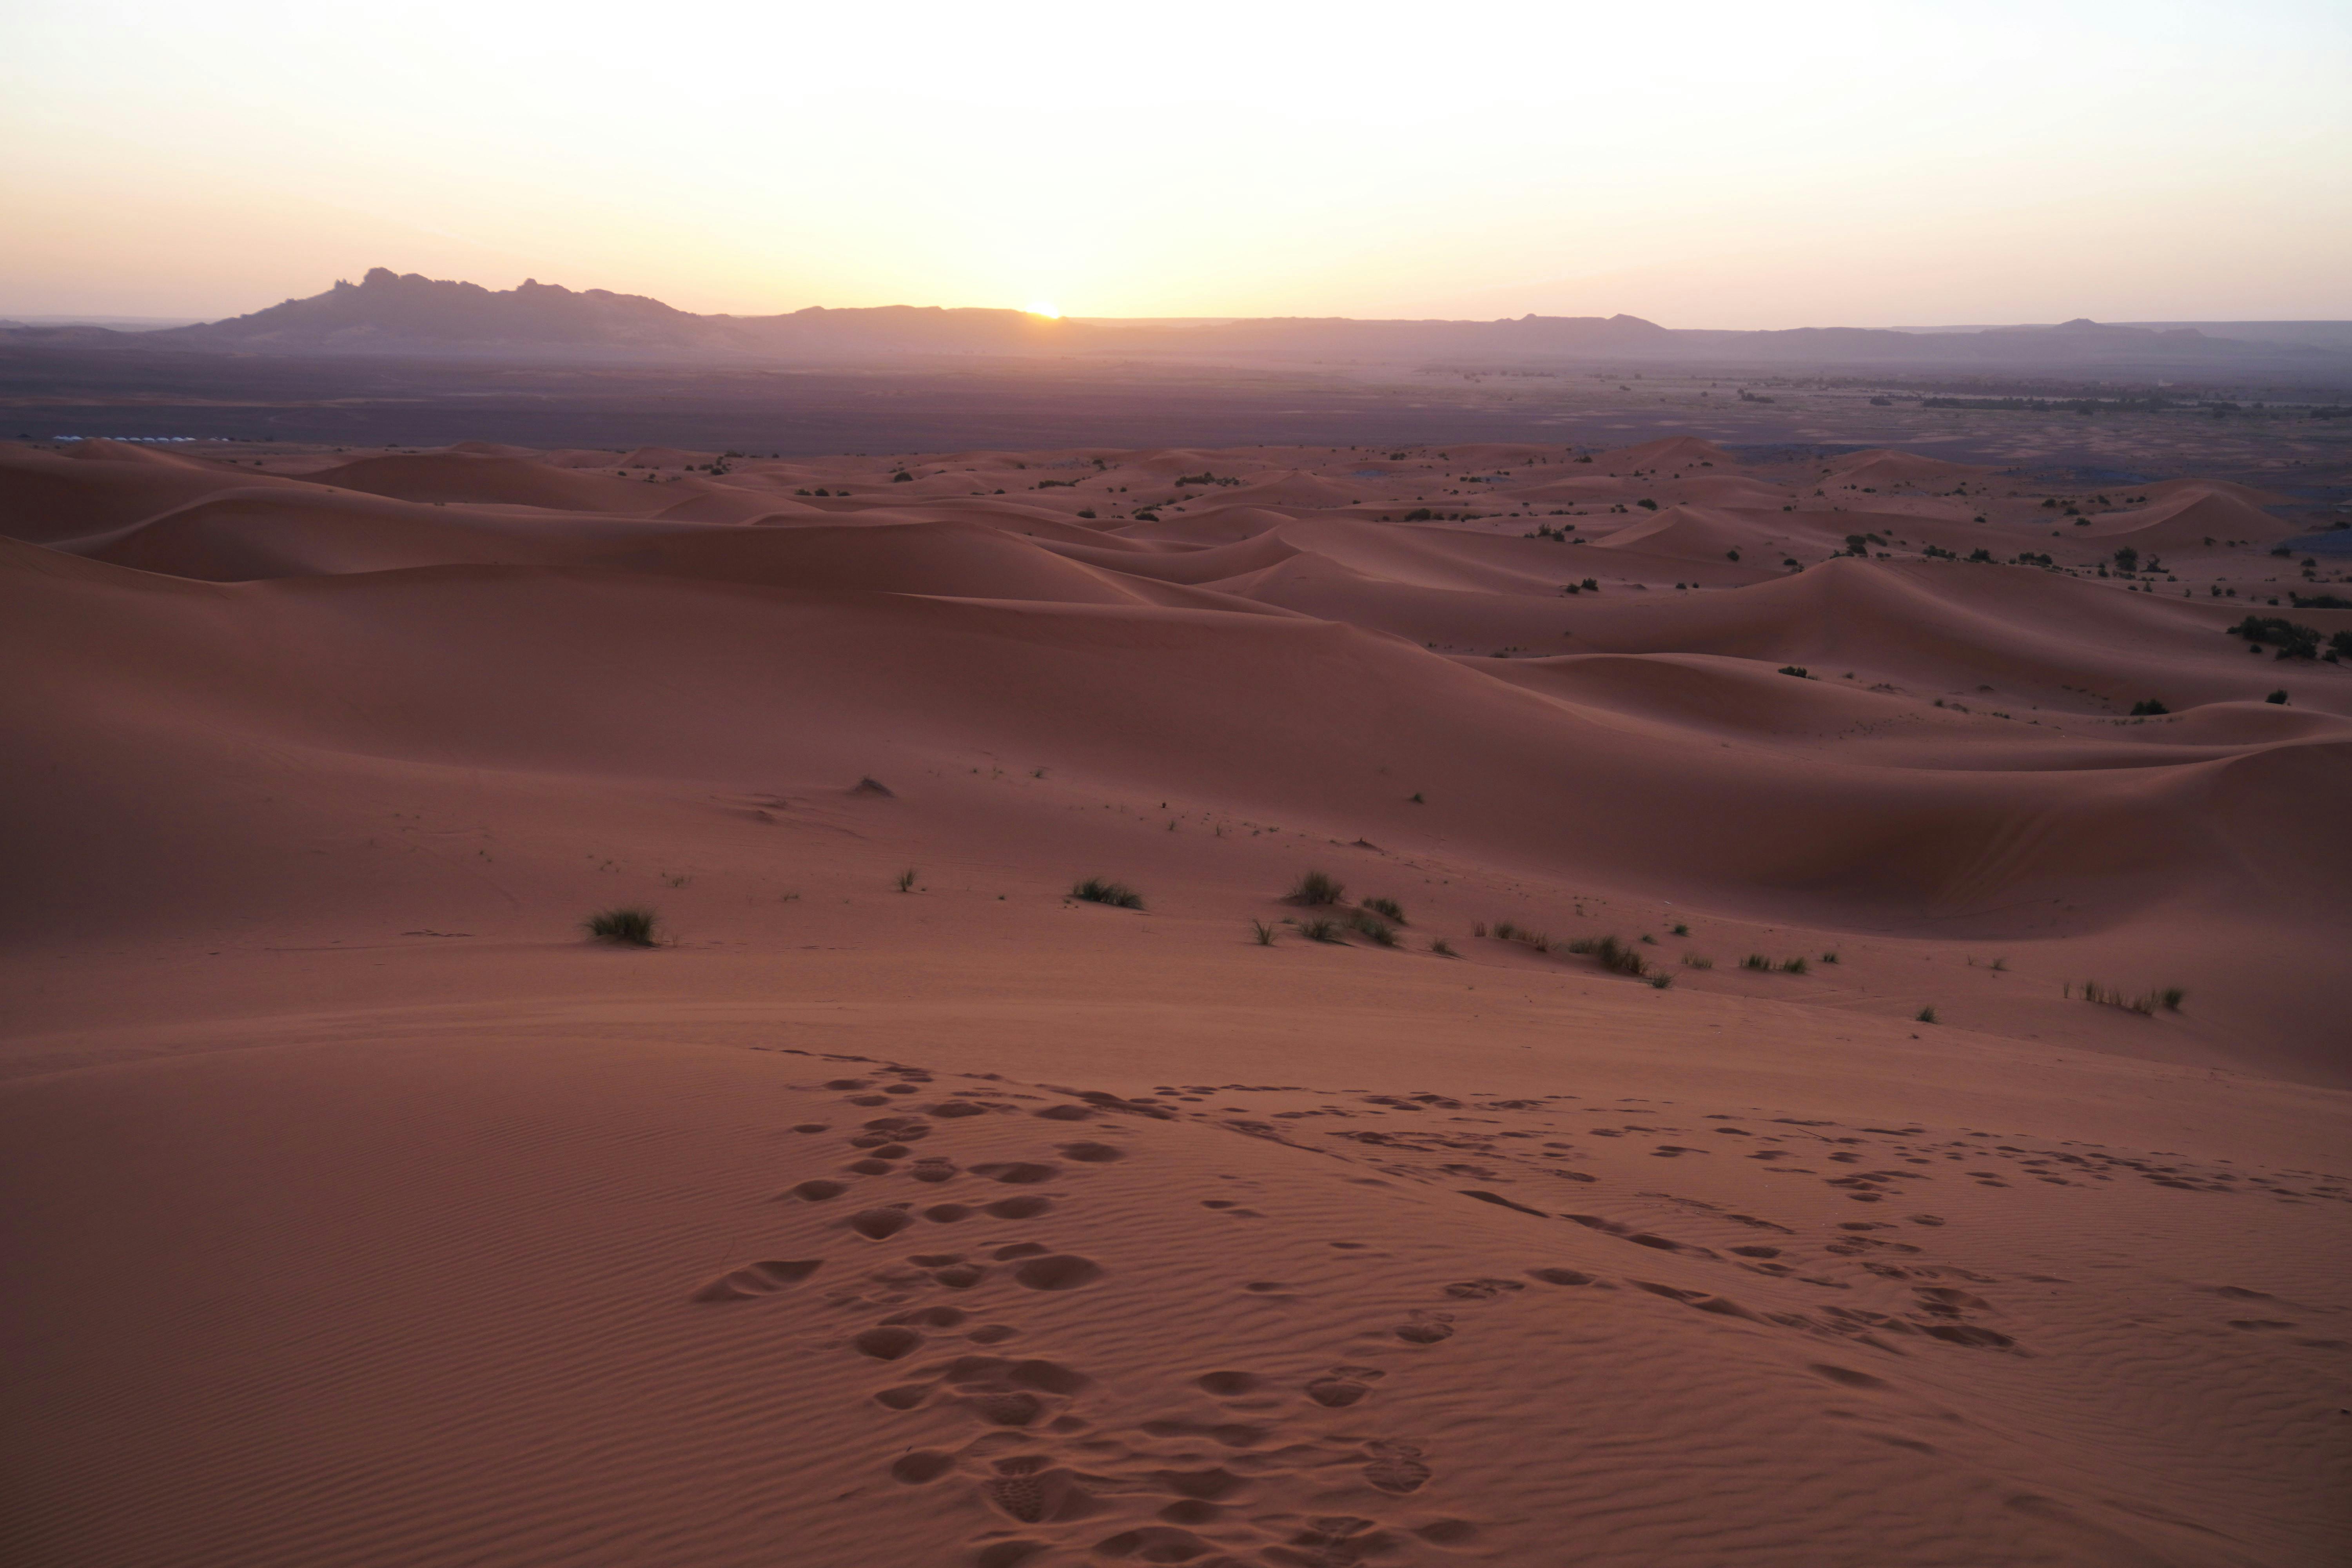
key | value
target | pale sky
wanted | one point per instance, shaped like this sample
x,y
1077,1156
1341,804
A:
x,y
1700,164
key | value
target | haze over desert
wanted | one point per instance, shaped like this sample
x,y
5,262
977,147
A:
x,y
688,914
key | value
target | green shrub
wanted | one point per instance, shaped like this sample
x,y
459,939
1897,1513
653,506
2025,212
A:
x,y
1118,895
1388,907
1926,1015
1756,961
1443,948
629,926
1263,933
1320,931
1317,889
1681,930
1795,966
1660,981
1693,960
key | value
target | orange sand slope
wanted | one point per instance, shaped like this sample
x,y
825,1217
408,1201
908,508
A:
x,y
368,1215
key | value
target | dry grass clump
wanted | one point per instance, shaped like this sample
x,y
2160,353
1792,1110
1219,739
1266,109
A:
x,y
1319,931
2170,998
1118,895
1443,948
1756,961
629,926
1263,933
1318,889
1694,961
1617,957
1374,930
1925,1016
1388,907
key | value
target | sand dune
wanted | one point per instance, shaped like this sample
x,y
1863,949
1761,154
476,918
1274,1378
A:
x,y
2190,519
900,1207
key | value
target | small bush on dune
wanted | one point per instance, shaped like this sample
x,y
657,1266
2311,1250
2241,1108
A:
x,y
1833,958
1756,961
1681,930
1660,982
1320,931
1375,930
1693,960
907,880
1926,1015
627,927
1617,957
1795,966
1263,933
1118,895
1316,889
1388,907
1506,932
2148,707
1443,948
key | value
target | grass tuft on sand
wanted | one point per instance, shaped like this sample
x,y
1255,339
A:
x,y
631,925
1118,895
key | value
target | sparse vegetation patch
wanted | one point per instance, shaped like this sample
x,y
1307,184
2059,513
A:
x,y
629,926
1118,895
1318,889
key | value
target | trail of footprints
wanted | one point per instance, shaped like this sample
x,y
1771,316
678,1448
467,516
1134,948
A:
x,y
1207,1488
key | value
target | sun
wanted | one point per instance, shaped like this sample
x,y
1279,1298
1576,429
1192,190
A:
x,y
1050,311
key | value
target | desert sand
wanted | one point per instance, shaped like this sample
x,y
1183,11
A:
x,y
898,1207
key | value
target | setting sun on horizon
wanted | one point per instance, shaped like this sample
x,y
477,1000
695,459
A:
x,y
1050,313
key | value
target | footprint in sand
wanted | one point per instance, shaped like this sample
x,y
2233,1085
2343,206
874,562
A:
x,y
1057,1271
1345,1385
1395,1467
756,1280
1425,1328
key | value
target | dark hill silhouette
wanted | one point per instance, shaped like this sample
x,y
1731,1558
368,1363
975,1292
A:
x,y
407,314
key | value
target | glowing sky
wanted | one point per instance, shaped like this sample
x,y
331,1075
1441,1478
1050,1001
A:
x,y
1725,165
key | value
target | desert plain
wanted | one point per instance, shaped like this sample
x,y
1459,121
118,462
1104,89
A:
x,y
1657,1004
